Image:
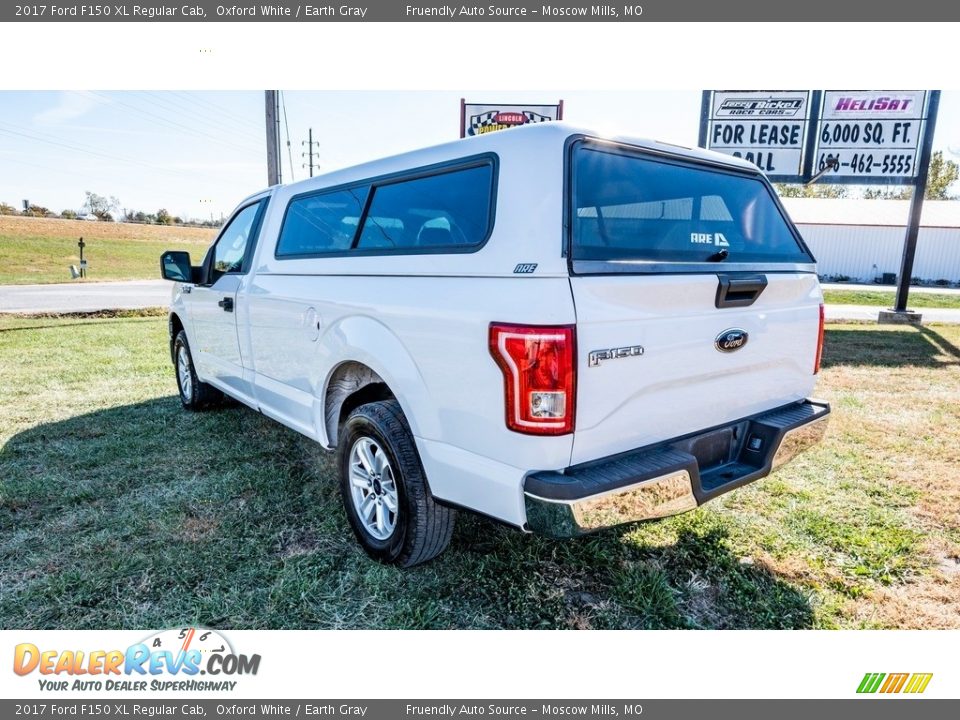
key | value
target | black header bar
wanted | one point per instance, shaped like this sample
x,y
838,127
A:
x,y
740,11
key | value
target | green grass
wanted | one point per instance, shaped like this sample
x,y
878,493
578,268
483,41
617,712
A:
x,y
36,250
120,510
885,299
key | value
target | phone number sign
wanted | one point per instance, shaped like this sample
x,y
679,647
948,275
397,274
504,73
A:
x,y
870,134
768,129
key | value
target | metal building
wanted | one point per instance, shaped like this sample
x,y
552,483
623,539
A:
x,y
863,239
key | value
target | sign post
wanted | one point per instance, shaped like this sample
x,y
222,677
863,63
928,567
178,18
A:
x,y
916,207
83,263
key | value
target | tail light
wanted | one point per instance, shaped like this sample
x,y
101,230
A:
x,y
539,373
816,360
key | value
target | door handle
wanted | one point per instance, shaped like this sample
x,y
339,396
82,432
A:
x,y
739,291
226,304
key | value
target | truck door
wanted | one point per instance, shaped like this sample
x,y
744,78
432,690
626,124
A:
x,y
213,304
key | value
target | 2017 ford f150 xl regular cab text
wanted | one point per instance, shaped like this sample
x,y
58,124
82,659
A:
x,y
560,331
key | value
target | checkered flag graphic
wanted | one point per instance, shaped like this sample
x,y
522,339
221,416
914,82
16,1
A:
x,y
489,119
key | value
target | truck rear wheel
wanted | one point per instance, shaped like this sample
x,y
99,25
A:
x,y
385,491
194,394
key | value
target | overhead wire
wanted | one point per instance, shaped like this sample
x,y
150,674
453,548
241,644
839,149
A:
x,y
283,103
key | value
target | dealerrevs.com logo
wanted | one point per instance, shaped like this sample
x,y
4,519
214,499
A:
x,y
168,660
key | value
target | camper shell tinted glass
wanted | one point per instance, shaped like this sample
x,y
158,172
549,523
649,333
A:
x,y
445,208
632,205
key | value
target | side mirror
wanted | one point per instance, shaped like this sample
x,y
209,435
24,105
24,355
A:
x,y
175,265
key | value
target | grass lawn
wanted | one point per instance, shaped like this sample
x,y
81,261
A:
x,y
885,299
41,250
119,510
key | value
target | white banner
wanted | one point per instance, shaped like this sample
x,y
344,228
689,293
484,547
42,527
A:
x,y
56,664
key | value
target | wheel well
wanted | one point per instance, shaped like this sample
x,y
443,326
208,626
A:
x,y
175,325
352,384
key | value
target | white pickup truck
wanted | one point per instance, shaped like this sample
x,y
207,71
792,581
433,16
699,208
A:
x,y
555,329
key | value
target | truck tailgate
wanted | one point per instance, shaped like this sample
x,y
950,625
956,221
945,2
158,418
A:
x,y
682,382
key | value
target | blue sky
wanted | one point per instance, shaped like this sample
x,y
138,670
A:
x,y
198,153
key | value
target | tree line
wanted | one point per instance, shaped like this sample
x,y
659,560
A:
x,y
107,209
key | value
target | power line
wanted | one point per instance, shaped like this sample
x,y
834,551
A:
x,y
76,148
181,106
220,110
154,117
286,125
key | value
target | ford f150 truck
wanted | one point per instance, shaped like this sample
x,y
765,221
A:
x,y
558,330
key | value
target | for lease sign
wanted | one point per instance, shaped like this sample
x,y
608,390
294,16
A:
x,y
768,128
870,133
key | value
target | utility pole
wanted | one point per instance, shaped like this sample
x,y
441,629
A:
x,y
309,143
273,137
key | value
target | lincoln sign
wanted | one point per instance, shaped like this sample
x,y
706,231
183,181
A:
x,y
481,118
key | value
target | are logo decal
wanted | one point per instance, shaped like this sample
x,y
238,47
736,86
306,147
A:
x,y
524,268
717,239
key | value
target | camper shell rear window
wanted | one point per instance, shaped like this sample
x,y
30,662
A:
x,y
634,205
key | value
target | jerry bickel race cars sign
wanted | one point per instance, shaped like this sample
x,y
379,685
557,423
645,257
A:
x,y
866,136
766,128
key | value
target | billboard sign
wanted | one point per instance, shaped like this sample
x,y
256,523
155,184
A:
x,y
872,136
768,128
482,118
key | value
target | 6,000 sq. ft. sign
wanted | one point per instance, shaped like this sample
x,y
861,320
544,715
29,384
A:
x,y
870,134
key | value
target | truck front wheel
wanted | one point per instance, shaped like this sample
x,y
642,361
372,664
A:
x,y
194,394
385,491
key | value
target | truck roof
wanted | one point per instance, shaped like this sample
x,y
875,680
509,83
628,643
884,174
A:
x,y
526,139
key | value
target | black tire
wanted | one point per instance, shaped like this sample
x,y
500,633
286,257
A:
x,y
200,395
422,528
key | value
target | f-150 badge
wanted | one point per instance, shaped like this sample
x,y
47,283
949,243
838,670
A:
x,y
598,356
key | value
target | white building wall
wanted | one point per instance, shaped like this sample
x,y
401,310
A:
x,y
865,251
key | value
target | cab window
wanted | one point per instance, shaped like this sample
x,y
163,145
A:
x,y
231,248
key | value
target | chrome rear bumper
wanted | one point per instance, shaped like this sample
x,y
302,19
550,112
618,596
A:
x,y
671,477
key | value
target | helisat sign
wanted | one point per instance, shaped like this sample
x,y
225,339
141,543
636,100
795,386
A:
x,y
870,134
866,136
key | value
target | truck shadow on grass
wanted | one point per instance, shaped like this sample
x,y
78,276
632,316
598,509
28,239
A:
x,y
144,516
890,346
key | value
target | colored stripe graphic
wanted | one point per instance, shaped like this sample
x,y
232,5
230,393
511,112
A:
x,y
870,682
894,683
918,683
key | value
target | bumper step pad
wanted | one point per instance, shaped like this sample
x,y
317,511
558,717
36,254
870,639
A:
x,y
673,476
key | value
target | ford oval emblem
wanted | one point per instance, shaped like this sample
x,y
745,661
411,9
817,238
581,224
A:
x,y
731,340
